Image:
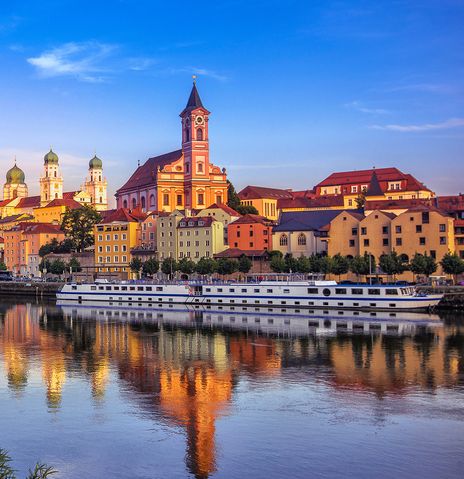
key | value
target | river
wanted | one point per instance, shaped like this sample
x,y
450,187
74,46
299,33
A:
x,y
115,393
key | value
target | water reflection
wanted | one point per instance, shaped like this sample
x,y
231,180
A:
x,y
183,366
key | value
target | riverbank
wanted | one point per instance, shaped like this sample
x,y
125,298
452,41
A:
x,y
453,299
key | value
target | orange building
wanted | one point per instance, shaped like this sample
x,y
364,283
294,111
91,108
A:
x,y
181,179
22,245
250,232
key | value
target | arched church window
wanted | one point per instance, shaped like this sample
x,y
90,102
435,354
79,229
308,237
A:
x,y
302,239
187,134
143,202
199,134
152,200
55,174
124,204
101,199
99,177
56,196
200,167
134,203
187,167
283,240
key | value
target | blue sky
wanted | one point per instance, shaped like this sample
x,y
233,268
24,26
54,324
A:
x,y
297,89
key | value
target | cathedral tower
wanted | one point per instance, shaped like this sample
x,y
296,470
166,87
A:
x,y
15,186
195,148
96,185
51,183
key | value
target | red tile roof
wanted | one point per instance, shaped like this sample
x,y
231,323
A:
x,y
227,209
396,204
458,222
237,253
29,202
42,228
452,204
145,174
257,192
317,202
250,219
122,215
68,202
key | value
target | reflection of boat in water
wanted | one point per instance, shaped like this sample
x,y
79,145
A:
x,y
272,321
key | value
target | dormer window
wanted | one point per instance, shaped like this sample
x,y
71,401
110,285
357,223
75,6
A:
x,y
201,223
183,223
190,223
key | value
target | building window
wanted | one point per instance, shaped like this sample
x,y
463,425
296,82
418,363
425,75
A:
x,y
354,231
364,230
301,239
418,228
218,199
166,199
351,243
442,239
179,200
199,134
399,242
442,228
422,240
143,202
354,189
398,229
187,134
433,254
385,242
366,242
201,197
425,217
283,240
385,230
124,204
152,200
200,167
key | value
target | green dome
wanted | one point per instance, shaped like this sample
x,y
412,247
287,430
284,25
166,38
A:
x,y
51,157
15,176
95,162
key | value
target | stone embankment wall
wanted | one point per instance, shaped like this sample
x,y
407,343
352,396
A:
x,y
37,290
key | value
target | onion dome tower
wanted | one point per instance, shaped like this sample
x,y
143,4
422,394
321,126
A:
x,y
51,182
15,186
96,185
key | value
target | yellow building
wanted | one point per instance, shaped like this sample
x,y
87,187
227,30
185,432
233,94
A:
x,y
374,233
199,237
114,239
166,234
344,234
264,199
54,211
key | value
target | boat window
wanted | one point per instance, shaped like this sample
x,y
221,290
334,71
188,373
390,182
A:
x,y
139,288
159,288
219,290
313,290
286,291
256,290
340,290
132,288
357,291
326,292
231,290
93,288
208,290
391,292
269,290
116,288
244,290
108,288
149,288
373,291
123,288
74,287
101,288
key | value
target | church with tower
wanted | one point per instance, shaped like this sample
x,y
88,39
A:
x,y
181,179
16,199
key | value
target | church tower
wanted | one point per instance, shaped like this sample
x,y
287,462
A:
x,y
96,185
195,148
51,183
15,186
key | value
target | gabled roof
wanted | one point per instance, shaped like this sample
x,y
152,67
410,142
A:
x,y
42,228
67,202
227,209
425,208
29,202
355,214
305,202
121,215
237,253
11,218
251,219
145,174
305,220
258,192
396,204
362,176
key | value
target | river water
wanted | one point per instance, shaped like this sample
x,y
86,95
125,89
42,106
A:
x,y
133,393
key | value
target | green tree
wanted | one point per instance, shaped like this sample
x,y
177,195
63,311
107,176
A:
x,y
325,264
150,267
244,264
58,267
206,266
430,265
233,201
392,264
78,225
340,265
65,246
278,264
314,263
247,210
169,266
48,248
452,264
186,266
73,265
136,265
360,200
303,264
44,265
227,266
3,266
291,263
359,265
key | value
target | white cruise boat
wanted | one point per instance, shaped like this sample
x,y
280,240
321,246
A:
x,y
263,294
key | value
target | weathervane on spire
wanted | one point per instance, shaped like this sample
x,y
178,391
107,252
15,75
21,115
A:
x,y
194,79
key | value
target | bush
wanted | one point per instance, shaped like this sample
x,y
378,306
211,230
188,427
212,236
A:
x,y
206,266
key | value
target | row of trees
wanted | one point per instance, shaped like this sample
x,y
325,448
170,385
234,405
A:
x,y
58,266
391,264
169,266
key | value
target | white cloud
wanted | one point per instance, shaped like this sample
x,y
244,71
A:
x,y
84,61
451,123
358,106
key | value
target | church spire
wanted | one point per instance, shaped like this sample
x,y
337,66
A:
x,y
194,100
